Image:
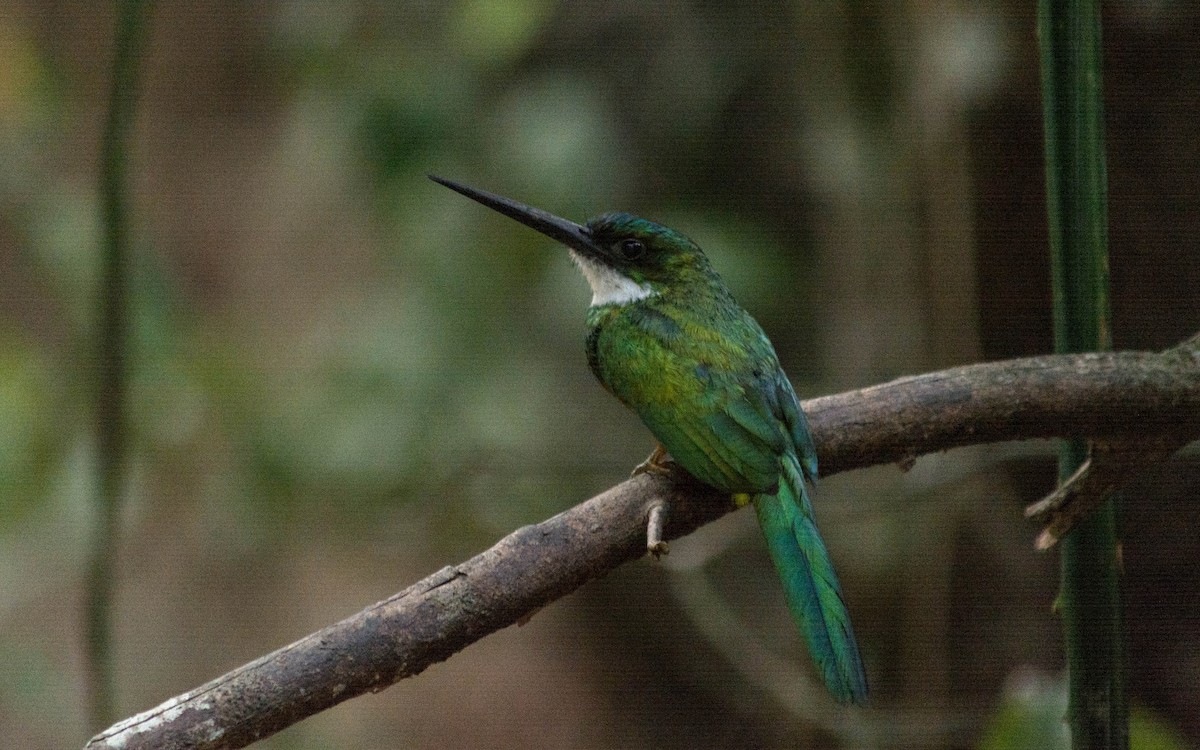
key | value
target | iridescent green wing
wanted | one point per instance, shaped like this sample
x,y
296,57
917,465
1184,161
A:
x,y
787,407
769,407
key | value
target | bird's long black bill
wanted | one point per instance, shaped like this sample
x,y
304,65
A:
x,y
567,232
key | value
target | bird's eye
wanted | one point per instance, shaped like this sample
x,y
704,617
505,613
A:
x,y
632,249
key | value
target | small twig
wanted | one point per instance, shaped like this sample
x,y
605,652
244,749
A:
x,y
654,530
1109,467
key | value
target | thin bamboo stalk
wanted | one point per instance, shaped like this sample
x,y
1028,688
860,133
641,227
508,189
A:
x,y
111,359
1076,197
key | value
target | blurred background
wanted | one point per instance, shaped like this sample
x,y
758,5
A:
x,y
346,377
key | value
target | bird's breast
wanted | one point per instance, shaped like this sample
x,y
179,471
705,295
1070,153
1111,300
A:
x,y
645,355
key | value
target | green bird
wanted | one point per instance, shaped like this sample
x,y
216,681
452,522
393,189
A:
x,y
666,337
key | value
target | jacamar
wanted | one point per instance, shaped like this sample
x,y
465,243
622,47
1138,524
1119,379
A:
x,y
666,337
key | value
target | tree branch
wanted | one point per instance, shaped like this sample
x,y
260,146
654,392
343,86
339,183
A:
x,y
1100,396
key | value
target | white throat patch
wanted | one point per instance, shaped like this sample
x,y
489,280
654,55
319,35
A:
x,y
610,287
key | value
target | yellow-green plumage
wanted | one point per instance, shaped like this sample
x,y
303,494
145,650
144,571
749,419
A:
x,y
666,338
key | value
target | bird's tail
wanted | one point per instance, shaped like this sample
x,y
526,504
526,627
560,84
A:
x,y
812,589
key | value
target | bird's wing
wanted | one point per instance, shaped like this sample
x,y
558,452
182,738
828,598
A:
x,y
786,407
766,410
717,434
772,398
766,405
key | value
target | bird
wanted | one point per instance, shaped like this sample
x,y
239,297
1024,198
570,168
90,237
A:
x,y
666,337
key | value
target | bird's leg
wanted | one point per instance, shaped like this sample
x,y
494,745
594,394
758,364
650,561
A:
x,y
656,516
656,463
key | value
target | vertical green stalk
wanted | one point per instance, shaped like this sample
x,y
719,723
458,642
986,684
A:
x,y
1076,197
112,388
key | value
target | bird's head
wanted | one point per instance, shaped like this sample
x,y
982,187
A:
x,y
623,257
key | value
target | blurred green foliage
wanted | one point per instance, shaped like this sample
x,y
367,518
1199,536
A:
x,y
1032,717
26,437
345,377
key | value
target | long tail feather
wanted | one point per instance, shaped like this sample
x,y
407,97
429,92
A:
x,y
812,589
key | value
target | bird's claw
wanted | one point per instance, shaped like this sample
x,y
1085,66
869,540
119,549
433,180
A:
x,y
656,463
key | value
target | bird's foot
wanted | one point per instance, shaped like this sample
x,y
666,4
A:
x,y
656,463
656,519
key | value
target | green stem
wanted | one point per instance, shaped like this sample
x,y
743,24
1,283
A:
x,y
111,396
1076,196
